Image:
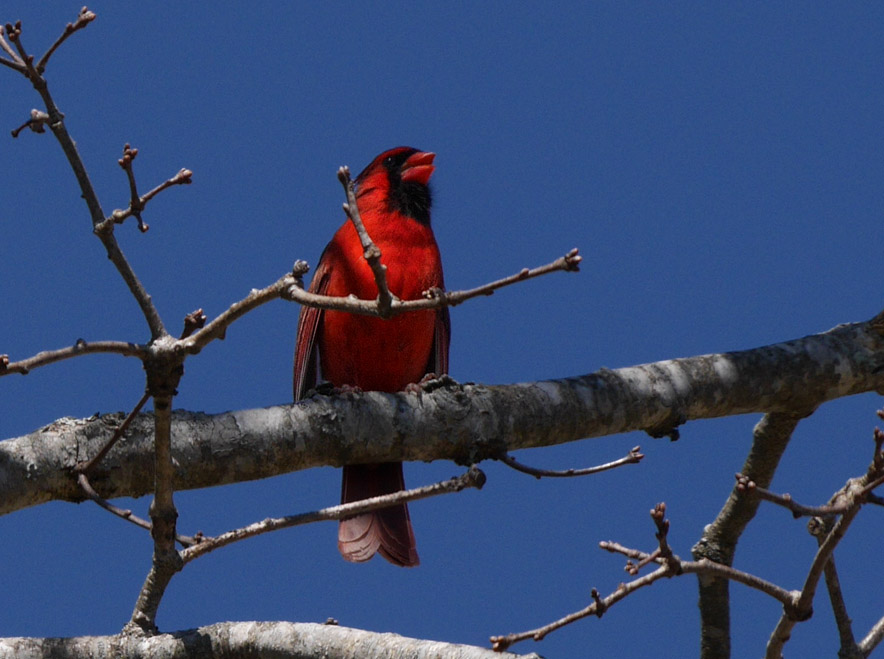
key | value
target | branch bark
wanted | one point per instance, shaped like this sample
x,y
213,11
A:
x,y
238,639
463,423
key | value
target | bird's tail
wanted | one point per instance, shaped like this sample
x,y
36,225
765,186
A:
x,y
386,531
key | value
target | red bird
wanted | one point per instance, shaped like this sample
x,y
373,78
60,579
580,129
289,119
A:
x,y
374,354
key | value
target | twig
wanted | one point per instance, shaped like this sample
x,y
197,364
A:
x,y
81,347
849,500
597,608
747,486
570,262
137,204
703,566
839,610
633,457
56,124
16,62
83,19
801,608
291,287
718,542
433,298
873,638
670,566
125,513
85,468
473,478
14,33
15,66
162,380
371,253
37,123
192,322
217,327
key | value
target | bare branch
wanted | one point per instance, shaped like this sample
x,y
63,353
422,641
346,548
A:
x,y
36,123
192,322
719,540
371,252
748,487
466,423
16,62
15,66
125,513
56,124
597,608
83,19
633,457
217,328
570,262
249,639
81,347
137,204
433,298
670,566
85,468
849,500
849,647
873,638
473,478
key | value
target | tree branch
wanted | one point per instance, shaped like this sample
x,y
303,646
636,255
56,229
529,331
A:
x,y
371,252
474,478
81,347
253,639
719,540
465,423
56,124
83,19
633,457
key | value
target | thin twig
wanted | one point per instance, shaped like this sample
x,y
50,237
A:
x,y
633,457
37,123
217,327
839,610
81,347
87,467
16,62
83,19
570,262
192,322
125,513
873,638
670,566
851,499
473,478
371,252
137,204
114,253
747,486
433,298
15,66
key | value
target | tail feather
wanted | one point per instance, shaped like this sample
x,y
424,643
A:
x,y
387,531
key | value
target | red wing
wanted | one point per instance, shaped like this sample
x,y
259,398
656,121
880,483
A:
x,y
438,362
306,373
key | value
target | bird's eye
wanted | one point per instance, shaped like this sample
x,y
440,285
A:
x,y
388,160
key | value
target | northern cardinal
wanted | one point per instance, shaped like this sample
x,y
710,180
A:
x,y
375,354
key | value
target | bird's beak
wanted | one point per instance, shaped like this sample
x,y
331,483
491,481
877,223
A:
x,y
419,167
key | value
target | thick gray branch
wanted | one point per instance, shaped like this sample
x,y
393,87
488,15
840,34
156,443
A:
x,y
462,423
253,639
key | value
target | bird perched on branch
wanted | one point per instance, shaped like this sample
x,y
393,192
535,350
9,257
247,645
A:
x,y
375,354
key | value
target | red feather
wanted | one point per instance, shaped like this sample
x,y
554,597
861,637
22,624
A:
x,y
374,354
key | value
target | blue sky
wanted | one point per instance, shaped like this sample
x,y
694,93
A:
x,y
719,167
